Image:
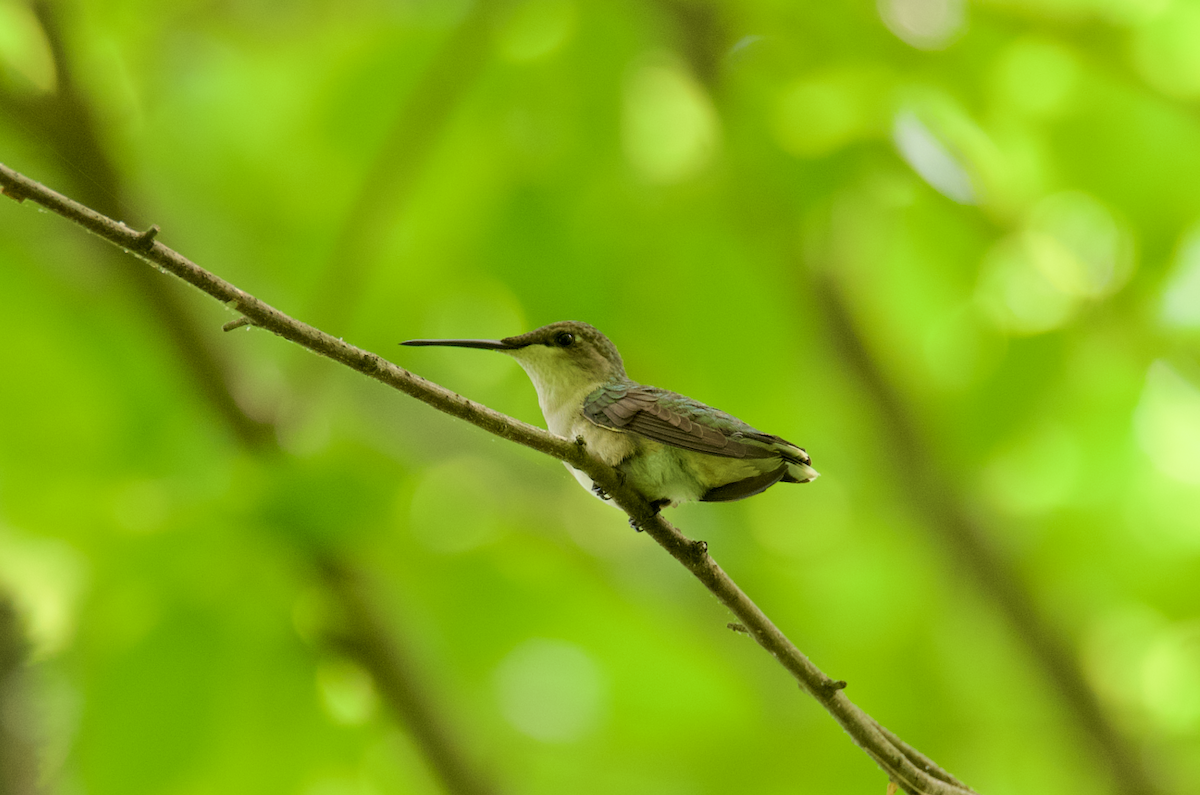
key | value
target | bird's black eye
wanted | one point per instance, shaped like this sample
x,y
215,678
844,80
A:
x,y
564,339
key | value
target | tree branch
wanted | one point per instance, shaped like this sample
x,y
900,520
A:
x,y
907,768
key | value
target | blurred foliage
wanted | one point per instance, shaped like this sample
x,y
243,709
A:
x,y
1006,192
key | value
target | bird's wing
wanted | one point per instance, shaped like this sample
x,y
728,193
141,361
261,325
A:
x,y
741,489
648,411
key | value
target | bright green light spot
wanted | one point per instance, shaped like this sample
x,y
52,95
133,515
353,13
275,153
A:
x,y
1036,76
1171,678
23,46
550,690
457,505
46,578
535,29
1167,51
924,24
1181,301
1168,423
1099,252
816,117
1035,474
1014,290
668,123
347,692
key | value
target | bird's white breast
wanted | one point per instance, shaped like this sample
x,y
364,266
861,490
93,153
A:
x,y
565,418
561,399
611,447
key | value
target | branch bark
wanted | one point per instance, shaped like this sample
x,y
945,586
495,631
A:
x,y
910,770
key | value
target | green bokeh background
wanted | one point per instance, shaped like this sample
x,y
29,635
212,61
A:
x,y
1005,195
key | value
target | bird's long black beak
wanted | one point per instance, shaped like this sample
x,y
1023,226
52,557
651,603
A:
x,y
487,345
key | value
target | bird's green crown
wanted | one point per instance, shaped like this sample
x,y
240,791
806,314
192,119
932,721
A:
x,y
577,343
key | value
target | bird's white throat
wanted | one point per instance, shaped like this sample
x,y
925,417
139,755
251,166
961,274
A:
x,y
561,387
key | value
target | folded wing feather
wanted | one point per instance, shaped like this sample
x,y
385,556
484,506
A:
x,y
641,411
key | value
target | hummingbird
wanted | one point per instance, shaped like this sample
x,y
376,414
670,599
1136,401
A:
x,y
668,447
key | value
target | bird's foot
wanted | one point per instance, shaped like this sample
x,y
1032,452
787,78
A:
x,y
601,493
656,506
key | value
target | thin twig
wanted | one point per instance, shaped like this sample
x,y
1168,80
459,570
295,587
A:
x,y
924,779
919,759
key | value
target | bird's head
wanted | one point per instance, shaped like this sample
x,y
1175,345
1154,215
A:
x,y
563,355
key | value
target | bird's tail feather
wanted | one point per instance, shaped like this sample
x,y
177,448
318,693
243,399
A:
x,y
800,473
799,465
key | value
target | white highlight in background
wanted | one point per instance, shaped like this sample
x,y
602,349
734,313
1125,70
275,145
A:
x,y
931,159
1167,420
668,124
550,690
924,24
